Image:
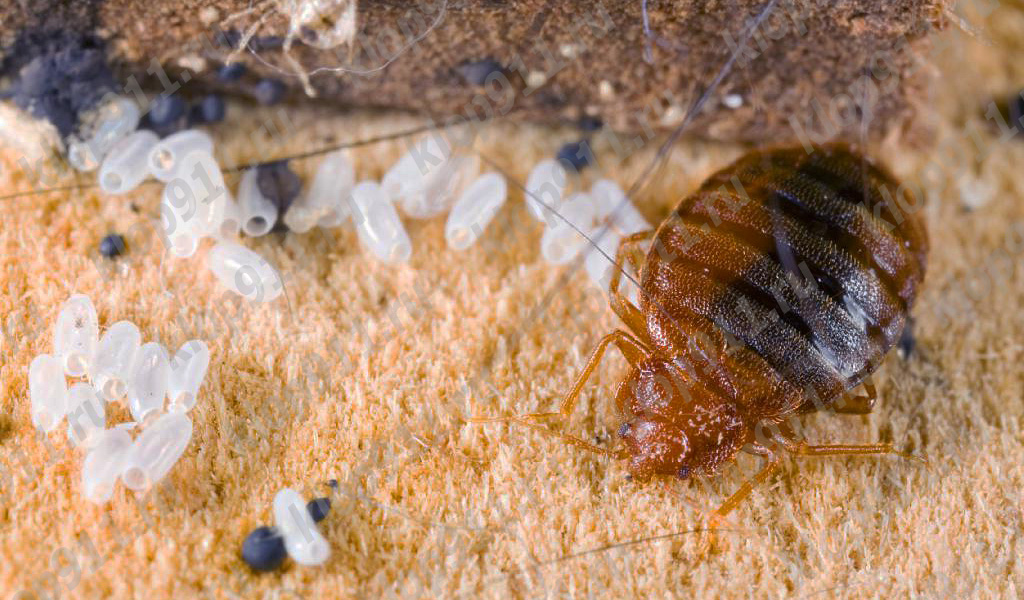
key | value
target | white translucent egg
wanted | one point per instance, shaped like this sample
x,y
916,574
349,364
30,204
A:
x,y
377,222
115,355
48,391
76,335
474,210
148,385
188,369
157,450
244,272
302,539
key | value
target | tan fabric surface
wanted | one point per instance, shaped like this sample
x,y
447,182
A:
x,y
431,507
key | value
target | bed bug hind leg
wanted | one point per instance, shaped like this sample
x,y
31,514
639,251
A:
x,y
626,310
859,405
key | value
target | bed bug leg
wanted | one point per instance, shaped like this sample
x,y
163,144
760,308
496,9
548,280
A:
x,y
630,347
772,463
801,448
622,307
859,405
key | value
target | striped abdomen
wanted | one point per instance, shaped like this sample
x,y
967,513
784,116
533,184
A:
x,y
807,261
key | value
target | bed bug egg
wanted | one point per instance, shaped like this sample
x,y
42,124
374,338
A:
x,y
258,213
126,165
545,185
561,241
48,391
156,450
76,334
111,121
324,204
244,272
213,200
166,156
377,223
611,203
104,464
188,369
115,357
179,222
418,181
302,539
148,384
86,414
474,210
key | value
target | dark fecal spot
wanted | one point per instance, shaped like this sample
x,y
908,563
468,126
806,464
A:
x,y
589,124
575,156
263,549
210,109
908,342
57,75
332,483
476,72
1015,108
112,245
266,42
166,110
684,472
229,38
279,184
269,91
231,72
318,508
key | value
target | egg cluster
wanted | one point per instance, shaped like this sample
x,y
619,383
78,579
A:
x,y
430,180
602,215
116,368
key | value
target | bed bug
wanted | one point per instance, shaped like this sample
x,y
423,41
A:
x,y
772,291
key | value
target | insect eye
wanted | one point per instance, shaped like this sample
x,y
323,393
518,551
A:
x,y
684,472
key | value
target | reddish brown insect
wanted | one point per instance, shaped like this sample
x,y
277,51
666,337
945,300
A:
x,y
773,290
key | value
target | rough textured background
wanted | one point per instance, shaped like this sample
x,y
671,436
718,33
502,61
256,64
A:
x,y
434,508
571,59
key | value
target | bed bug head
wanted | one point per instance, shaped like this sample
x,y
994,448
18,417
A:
x,y
676,425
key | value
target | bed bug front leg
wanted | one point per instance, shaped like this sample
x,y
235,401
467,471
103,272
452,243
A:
x,y
631,348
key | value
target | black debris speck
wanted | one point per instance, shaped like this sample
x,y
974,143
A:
x,y
576,155
332,483
279,184
112,245
58,76
228,38
210,109
908,343
269,91
590,124
263,549
165,110
231,72
1016,110
318,508
266,42
476,72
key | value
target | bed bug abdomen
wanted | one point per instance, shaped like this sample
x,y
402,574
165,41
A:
x,y
804,261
